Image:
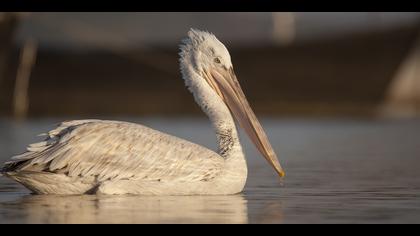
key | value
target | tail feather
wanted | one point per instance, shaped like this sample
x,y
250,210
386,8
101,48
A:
x,y
2,171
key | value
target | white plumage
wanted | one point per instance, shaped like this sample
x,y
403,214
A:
x,y
112,157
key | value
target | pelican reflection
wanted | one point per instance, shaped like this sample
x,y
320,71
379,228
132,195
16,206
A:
x,y
134,209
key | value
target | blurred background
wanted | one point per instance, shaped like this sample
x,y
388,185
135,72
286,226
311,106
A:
x,y
289,64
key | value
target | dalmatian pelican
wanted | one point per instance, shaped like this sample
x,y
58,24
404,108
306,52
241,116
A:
x,y
113,157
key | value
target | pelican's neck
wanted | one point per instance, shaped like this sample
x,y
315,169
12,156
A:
x,y
229,146
218,113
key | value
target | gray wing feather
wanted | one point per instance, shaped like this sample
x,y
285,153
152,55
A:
x,y
117,150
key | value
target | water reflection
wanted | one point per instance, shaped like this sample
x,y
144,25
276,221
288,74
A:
x,y
129,209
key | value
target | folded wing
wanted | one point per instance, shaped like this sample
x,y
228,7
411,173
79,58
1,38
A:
x,y
109,150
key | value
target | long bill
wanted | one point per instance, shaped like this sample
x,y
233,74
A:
x,y
225,83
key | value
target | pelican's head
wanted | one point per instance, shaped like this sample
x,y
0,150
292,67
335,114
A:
x,y
207,69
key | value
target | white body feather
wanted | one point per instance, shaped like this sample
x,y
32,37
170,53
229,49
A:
x,y
111,157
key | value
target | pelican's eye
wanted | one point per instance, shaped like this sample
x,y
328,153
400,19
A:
x,y
217,60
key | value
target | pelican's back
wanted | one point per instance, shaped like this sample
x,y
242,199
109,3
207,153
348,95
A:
x,y
87,153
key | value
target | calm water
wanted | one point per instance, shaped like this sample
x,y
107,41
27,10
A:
x,y
338,171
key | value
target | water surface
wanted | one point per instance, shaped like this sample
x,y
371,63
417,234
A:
x,y
338,171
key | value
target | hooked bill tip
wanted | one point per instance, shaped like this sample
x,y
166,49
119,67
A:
x,y
282,174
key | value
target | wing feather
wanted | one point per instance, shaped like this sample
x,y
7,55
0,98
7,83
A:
x,y
117,150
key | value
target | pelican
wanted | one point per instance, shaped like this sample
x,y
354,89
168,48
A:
x,y
114,157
